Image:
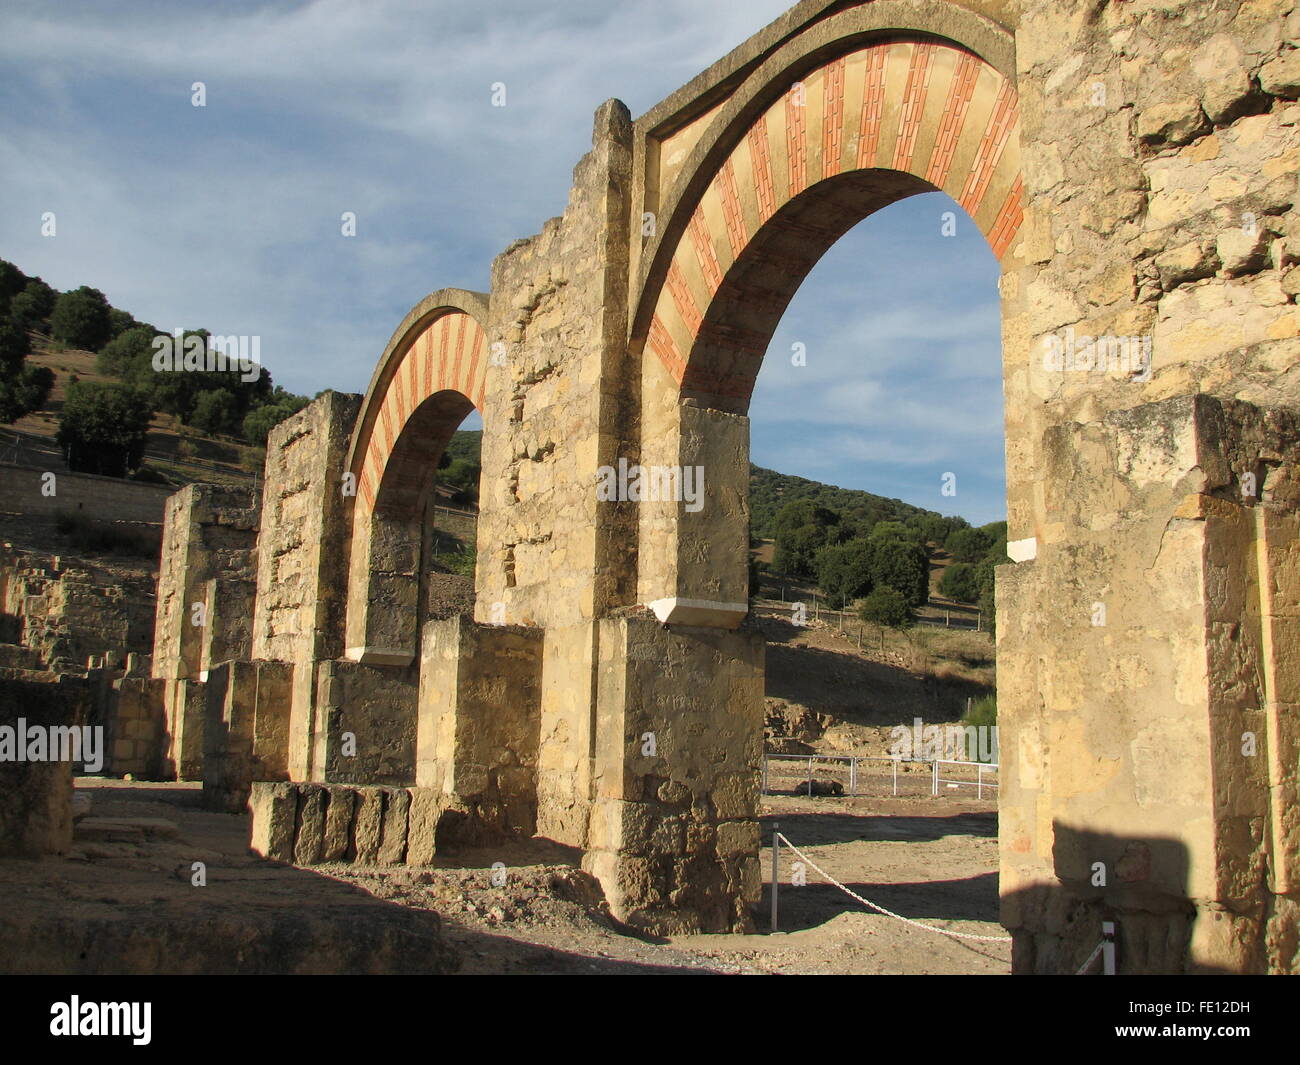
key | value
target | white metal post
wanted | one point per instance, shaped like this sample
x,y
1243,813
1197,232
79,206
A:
x,y
776,867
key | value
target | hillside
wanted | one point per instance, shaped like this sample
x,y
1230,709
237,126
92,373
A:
x,y
769,491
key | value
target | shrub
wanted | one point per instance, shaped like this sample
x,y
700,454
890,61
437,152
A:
x,y
960,582
886,607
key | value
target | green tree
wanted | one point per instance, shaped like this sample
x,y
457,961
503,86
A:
x,y
959,581
264,417
215,411
15,346
985,578
904,566
81,319
895,530
23,388
103,428
462,475
119,322
31,308
968,545
12,281
25,392
844,571
802,528
127,350
886,607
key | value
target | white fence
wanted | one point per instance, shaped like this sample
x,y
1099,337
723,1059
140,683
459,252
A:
x,y
878,775
979,783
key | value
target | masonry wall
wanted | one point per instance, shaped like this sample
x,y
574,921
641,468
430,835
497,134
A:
x,y
1161,147
67,610
24,491
559,408
477,736
36,797
209,546
674,829
303,556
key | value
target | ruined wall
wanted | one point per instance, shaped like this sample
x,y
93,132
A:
x,y
36,797
559,408
1161,149
246,731
301,568
363,725
101,498
477,736
209,562
1156,166
674,829
136,729
67,609
302,554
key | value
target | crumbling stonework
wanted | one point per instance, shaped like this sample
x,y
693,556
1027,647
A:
x,y
1134,167
66,610
36,796
207,588
315,824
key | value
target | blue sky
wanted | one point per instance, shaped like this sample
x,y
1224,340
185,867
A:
x,y
228,216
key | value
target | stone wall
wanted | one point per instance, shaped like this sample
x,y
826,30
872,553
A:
x,y
674,827
67,609
206,581
23,491
557,408
478,726
314,824
36,797
302,555
1161,149
1134,166
246,730
364,723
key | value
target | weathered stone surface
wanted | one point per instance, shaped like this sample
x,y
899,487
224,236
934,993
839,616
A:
x,y
36,796
397,807
422,826
340,809
368,828
309,836
274,809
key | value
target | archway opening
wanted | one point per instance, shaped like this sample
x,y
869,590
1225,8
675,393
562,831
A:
x,y
412,539
874,424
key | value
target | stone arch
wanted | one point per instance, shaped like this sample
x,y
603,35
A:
x,y
832,128
432,374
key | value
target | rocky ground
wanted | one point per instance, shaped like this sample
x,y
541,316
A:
x,y
126,900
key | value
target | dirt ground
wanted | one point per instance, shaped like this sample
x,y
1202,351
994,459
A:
x,y
929,859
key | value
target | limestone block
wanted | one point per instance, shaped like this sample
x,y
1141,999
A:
x,y
310,843
1174,121
422,826
340,808
368,827
1281,76
397,807
274,809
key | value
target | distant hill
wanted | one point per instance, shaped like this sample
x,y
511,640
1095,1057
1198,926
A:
x,y
769,491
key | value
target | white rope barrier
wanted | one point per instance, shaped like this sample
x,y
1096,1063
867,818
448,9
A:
x,y
881,909
1091,958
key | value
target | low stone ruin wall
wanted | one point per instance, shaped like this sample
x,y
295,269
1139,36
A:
x,y
312,824
36,796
